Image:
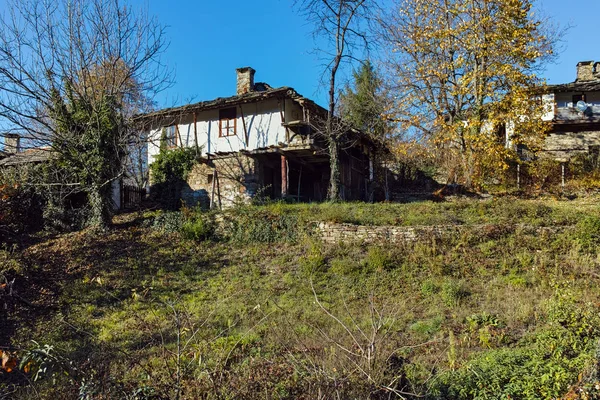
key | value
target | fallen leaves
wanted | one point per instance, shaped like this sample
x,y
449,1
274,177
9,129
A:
x,y
9,361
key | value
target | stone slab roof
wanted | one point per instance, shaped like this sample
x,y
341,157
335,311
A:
x,y
27,156
582,86
267,92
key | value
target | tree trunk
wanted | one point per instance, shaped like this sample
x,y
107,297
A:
x,y
99,202
334,164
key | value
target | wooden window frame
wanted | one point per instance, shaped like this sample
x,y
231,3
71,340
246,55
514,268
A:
x,y
226,122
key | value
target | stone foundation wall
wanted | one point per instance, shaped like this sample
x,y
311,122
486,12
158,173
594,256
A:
x,y
564,145
333,233
237,181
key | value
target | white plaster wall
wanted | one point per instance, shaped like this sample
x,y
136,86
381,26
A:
x,y
565,100
116,194
548,103
263,123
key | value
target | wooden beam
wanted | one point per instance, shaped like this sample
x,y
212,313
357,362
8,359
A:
x,y
218,189
212,192
178,136
281,111
284,176
246,134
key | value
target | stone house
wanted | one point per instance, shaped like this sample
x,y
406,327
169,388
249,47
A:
x,y
574,112
263,141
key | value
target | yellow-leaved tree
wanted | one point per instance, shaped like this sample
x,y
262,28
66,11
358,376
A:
x,y
464,75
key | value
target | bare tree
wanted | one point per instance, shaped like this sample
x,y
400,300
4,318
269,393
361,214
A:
x,y
72,73
344,26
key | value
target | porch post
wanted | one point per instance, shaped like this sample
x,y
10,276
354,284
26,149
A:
x,y
284,176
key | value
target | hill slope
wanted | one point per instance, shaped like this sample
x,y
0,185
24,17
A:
x,y
269,311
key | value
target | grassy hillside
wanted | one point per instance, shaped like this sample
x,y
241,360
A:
x,y
261,309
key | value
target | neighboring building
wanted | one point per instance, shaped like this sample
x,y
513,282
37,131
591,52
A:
x,y
260,142
574,110
9,147
16,156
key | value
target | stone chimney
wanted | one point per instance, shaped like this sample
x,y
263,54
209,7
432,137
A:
x,y
12,143
245,80
585,71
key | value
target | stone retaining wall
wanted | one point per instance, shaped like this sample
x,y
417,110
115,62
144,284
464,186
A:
x,y
334,233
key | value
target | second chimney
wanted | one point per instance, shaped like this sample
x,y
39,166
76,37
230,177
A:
x,y
245,80
12,143
585,71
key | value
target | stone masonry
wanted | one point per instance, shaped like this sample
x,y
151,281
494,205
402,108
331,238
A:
x,y
334,233
245,80
236,180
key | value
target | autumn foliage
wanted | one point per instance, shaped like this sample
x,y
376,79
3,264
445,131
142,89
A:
x,y
9,362
463,74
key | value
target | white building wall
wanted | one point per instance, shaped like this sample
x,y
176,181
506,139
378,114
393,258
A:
x,y
548,103
565,100
263,122
116,194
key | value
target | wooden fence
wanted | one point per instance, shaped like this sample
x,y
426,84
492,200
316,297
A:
x,y
131,196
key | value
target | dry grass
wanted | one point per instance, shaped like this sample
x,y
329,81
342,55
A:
x,y
139,311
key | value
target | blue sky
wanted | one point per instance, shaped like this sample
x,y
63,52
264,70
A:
x,y
210,39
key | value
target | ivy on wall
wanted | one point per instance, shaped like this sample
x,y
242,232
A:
x,y
169,172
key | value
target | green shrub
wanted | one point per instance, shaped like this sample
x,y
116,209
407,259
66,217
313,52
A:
x,y
198,227
247,224
168,222
60,217
429,288
453,292
477,321
379,259
313,262
169,172
20,211
428,327
517,280
542,366
587,232
344,266
581,320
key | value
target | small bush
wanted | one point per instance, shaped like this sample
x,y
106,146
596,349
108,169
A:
x,y
427,328
429,288
587,232
168,222
198,227
313,262
379,259
543,174
344,266
62,218
263,225
453,293
20,210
